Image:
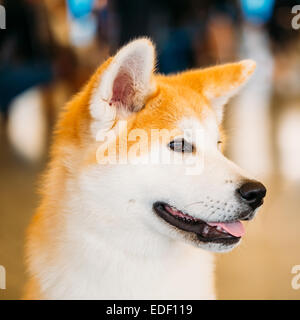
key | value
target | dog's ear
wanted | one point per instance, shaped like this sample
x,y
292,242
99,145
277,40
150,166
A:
x,y
219,83
126,83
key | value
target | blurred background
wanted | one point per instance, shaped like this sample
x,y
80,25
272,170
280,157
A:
x,y
50,48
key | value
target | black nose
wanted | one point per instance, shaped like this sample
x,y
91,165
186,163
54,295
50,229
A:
x,y
253,192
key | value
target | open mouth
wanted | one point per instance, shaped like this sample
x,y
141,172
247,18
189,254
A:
x,y
227,233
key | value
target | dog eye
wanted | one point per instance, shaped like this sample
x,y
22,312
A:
x,y
219,143
180,145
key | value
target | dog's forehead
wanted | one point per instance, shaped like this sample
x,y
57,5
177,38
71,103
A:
x,y
177,107
195,128
193,112
175,100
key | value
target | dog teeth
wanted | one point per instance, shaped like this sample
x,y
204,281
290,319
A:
x,y
205,230
220,229
175,210
180,215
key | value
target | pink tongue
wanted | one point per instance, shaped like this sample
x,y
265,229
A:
x,y
234,228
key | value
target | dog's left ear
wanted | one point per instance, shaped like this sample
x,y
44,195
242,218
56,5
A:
x,y
125,83
219,83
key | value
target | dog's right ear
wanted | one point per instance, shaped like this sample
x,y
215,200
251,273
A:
x,y
124,85
219,83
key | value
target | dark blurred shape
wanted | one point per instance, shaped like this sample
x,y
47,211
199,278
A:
x,y
25,50
281,32
180,29
171,24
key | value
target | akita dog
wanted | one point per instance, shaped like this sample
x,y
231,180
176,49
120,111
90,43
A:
x,y
136,229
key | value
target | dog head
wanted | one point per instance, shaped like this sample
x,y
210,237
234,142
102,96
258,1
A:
x,y
150,150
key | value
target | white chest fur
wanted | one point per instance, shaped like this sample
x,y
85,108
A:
x,y
93,266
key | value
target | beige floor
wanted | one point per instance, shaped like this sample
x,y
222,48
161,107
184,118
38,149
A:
x,y
259,269
17,202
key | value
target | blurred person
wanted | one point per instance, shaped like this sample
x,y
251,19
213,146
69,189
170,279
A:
x,y
266,119
173,24
286,100
252,106
193,33
217,40
101,11
82,23
87,24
